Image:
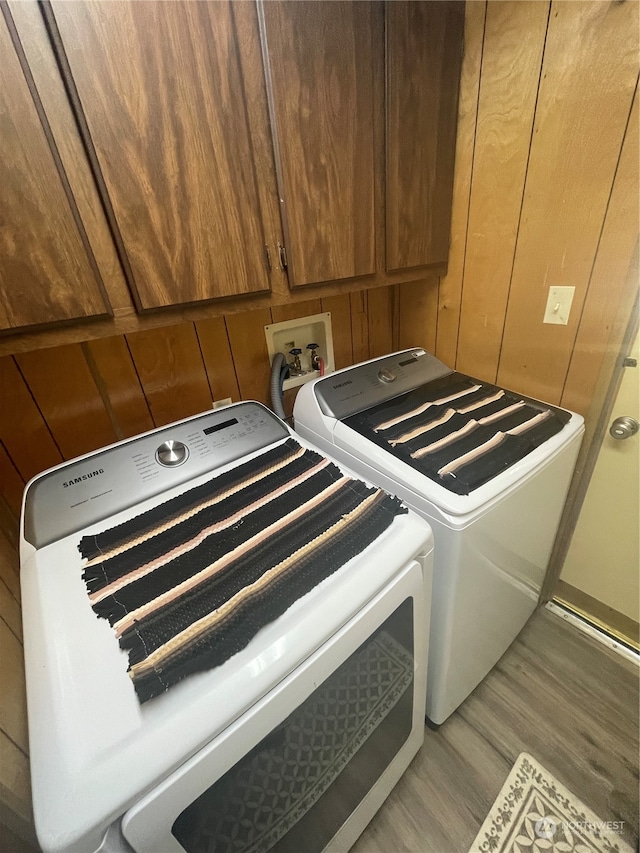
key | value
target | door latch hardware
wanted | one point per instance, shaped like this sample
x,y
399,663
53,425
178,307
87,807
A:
x,y
623,428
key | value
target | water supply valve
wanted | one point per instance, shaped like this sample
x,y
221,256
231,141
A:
x,y
314,357
295,367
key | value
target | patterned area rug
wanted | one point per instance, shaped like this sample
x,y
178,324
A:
x,y
534,812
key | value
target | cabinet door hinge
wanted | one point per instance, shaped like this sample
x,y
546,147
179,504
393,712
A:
x,y
283,256
267,252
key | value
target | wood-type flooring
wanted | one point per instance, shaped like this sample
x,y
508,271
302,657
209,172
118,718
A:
x,y
557,694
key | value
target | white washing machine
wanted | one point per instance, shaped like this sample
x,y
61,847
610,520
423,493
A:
x,y
487,468
266,690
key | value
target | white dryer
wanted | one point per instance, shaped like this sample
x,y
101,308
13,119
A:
x,y
488,468
278,692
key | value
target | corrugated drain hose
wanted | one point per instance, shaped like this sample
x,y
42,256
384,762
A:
x,y
279,369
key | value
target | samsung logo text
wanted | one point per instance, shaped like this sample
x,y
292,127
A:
x,y
88,476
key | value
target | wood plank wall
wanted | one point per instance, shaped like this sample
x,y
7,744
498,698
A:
x,y
59,403
545,193
15,789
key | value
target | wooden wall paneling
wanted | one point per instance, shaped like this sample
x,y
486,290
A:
x,y
10,611
218,359
250,356
171,371
182,192
589,75
450,290
9,566
23,430
65,392
508,89
43,66
9,535
279,313
288,402
47,272
613,266
340,309
13,717
116,377
324,62
380,315
418,311
10,587
423,54
11,483
359,326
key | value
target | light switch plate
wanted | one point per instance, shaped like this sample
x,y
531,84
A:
x,y
559,305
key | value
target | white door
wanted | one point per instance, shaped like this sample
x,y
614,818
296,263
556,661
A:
x,y
603,561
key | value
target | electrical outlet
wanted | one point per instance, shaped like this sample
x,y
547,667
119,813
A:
x,y
218,404
559,305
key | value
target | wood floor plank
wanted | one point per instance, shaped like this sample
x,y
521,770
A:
x,y
557,694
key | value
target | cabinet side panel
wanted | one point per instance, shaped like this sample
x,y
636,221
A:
x,y
46,272
424,51
323,60
159,89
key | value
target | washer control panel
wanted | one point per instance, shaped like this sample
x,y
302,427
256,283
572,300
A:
x,y
81,492
357,388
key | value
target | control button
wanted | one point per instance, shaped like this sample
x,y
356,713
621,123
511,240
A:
x,y
385,375
172,453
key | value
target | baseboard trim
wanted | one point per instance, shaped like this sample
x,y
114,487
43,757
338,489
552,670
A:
x,y
619,625
586,624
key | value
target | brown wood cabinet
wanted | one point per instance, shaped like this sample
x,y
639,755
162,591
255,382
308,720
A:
x,y
47,271
228,149
424,54
159,91
324,63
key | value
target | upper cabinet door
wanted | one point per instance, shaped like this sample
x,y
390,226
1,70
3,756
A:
x,y
159,93
423,53
324,63
47,271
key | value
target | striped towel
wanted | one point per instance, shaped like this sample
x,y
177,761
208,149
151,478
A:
x,y
458,431
187,584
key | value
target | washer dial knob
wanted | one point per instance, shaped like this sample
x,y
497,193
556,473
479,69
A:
x,y
172,453
385,375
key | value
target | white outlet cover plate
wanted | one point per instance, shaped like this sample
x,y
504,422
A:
x,y
316,328
559,305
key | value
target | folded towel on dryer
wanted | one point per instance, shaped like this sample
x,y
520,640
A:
x,y
187,584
